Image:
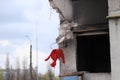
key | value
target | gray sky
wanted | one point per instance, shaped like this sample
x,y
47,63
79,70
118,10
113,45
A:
x,y
21,17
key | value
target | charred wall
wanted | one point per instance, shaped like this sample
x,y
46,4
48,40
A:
x,y
89,12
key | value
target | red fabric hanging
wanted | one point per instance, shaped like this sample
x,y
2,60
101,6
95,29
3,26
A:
x,y
55,54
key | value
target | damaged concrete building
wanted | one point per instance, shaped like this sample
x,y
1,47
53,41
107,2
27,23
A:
x,y
90,39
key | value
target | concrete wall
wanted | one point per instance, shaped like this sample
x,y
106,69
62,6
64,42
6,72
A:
x,y
70,58
66,8
97,76
94,15
90,11
70,51
114,7
114,26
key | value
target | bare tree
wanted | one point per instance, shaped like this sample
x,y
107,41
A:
x,y
34,73
25,72
17,67
1,74
50,73
7,65
12,72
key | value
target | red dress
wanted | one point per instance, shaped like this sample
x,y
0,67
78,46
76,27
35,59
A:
x,y
55,54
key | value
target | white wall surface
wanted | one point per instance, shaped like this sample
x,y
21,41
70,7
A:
x,y
66,8
114,26
97,76
70,58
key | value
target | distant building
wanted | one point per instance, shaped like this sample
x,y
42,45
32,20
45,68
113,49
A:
x,y
90,38
7,76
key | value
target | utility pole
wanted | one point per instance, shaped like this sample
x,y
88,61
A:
x,y
31,78
31,62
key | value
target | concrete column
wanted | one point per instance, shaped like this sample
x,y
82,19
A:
x,y
70,58
114,27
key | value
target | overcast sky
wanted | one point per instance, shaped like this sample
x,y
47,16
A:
x,y
19,18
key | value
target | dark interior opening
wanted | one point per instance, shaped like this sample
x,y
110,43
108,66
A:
x,y
93,53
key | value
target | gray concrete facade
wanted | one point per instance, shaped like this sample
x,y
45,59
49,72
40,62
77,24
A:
x,y
70,58
90,11
97,76
93,11
66,8
114,27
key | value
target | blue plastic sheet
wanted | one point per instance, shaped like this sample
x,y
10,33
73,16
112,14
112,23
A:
x,y
69,78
